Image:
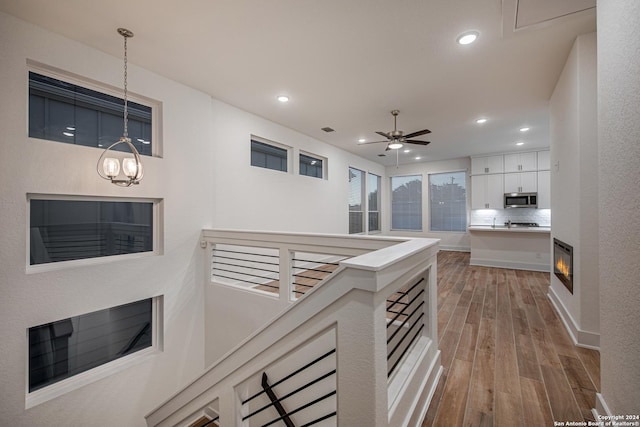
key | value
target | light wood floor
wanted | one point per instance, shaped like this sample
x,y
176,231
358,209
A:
x,y
508,361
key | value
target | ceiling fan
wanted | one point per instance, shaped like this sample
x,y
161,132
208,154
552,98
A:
x,y
396,138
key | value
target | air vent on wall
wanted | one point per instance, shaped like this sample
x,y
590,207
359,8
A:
x,y
328,129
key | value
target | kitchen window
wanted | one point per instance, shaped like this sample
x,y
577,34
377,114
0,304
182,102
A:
x,y
406,202
448,201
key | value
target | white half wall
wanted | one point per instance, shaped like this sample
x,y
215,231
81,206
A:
x,y
448,241
574,187
36,166
619,204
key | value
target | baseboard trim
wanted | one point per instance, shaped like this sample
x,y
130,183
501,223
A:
x,y
586,339
601,409
509,264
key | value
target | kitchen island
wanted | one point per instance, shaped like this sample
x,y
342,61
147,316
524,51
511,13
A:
x,y
516,247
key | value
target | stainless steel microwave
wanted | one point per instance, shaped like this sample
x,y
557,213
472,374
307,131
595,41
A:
x,y
520,200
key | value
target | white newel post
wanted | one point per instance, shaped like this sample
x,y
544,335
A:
x,y
362,359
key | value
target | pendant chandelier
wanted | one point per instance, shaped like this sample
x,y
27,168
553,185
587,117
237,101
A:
x,y
109,167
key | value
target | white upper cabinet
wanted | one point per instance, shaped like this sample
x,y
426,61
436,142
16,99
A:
x,y
544,160
521,182
486,165
521,162
487,192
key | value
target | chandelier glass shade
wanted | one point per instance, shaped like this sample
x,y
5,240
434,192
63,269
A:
x,y
110,168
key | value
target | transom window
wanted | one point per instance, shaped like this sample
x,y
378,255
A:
x,y
269,156
65,112
311,166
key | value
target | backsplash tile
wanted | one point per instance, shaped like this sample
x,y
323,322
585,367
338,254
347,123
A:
x,y
486,216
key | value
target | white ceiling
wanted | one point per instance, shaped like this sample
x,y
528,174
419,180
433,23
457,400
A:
x,y
347,63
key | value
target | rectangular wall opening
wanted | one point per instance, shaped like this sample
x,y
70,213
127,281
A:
x,y
563,263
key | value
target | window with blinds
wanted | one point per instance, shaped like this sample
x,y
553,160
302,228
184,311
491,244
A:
x,y
448,201
65,112
406,202
269,156
373,208
356,201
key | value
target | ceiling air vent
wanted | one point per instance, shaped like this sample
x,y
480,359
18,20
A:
x,y
382,155
328,129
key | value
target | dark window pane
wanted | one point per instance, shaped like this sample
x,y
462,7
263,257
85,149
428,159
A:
x,y
406,202
268,156
63,230
374,202
68,347
310,166
64,112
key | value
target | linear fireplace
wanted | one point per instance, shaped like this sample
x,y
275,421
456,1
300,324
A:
x,y
563,263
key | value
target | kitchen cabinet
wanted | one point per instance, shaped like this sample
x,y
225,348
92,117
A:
x,y
521,182
544,160
520,162
486,165
487,191
544,189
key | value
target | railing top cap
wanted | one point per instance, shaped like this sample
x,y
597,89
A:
x,y
382,258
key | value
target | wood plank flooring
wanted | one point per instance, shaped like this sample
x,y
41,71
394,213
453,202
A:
x,y
508,361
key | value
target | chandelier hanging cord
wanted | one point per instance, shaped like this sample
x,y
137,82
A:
x,y
109,168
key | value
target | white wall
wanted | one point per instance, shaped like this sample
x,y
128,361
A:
x,y
619,204
37,166
253,198
574,188
454,241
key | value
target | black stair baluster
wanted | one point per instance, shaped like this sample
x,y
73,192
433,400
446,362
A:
x,y
276,403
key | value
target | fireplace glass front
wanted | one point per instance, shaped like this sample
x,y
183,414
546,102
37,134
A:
x,y
563,263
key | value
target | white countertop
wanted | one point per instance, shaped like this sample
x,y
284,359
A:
x,y
503,228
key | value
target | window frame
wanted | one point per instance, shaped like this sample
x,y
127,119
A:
x,y
466,200
420,203
315,157
87,83
157,233
105,370
286,148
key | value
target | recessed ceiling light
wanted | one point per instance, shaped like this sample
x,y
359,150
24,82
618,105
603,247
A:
x,y
481,121
520,143
407,151
524,129
283,98
467,37
361,140
418,158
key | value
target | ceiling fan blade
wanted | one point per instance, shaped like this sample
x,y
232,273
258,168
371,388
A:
x,y
386,135
415,141
418,133
387,149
